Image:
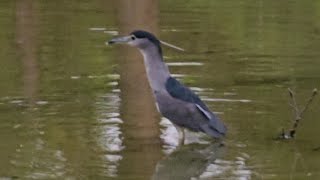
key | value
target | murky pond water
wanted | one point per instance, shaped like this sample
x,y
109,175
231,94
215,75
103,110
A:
x,y
72,108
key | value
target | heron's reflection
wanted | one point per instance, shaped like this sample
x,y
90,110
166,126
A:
x,y
188,161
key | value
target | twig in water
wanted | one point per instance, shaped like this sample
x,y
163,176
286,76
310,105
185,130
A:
x,y
298,114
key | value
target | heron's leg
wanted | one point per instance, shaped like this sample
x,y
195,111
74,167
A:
x,y
183,136
180,134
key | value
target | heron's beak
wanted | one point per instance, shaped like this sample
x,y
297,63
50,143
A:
x,y
124,39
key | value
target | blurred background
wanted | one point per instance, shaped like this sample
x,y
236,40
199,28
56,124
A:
x,y
73,108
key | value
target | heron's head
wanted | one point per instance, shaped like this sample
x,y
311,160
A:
x,y
142,40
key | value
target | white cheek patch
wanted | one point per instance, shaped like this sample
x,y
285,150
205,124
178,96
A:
x,y
131,43
135,42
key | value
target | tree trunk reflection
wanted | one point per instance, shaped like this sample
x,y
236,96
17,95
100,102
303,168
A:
x,y
141,121
26,33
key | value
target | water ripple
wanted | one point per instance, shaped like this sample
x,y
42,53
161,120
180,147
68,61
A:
x,y
237,168
109,138
225,100
184,64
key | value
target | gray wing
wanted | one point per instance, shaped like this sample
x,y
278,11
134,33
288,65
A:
x,y
177,90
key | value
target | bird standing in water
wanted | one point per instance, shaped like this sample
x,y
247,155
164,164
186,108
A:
x,y
174,101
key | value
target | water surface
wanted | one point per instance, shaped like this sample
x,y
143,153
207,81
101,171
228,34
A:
x,y
72,108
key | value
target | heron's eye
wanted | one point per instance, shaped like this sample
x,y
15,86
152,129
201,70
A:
x,y
133,38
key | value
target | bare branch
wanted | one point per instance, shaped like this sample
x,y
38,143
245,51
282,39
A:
x,y
298,114
294,103
314,93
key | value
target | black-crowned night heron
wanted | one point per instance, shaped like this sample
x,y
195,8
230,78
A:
x,y
174,101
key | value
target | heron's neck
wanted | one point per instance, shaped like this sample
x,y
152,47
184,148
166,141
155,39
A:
x,y
157,70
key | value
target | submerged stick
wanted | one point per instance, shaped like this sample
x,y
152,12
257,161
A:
x,y
316,149
298,114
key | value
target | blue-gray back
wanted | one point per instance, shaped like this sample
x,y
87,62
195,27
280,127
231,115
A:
x,y
178,91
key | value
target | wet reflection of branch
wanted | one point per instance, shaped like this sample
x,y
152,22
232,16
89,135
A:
x,y
294,165
298,158
298,114
33,150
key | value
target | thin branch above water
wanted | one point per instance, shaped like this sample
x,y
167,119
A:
x,y
297,114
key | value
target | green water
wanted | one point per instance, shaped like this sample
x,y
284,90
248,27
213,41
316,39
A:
x,y
73,108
